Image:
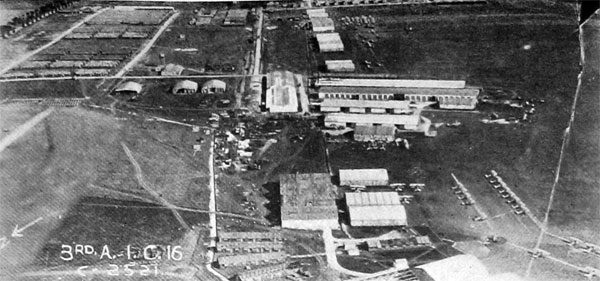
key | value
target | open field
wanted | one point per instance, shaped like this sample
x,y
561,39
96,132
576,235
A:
x,y
210,48
525,155
429,42
75,153
83,51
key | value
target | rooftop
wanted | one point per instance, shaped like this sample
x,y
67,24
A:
x,y
365,118
308,196
394,83
391,104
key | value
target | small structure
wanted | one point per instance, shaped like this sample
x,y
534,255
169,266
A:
x,y
330,42
185,87
282,94
270,272
366,177
375,133
214,87
375,209
129,88
316,13
250,236
236,17
308,201
172,70
254,258
340,66
322,24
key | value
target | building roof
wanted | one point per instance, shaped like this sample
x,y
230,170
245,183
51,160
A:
x,y
214,83
467,92
186,85
388,104
129,87
375,208
330,42
339,64
320,24
281,92
307,197
363,174
250,235
456,268
375,131
316,13
357,90
395,83
364,118
172,70
372,198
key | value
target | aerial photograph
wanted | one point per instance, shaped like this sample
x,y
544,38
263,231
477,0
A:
x,y
299,140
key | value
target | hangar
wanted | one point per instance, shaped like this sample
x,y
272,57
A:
x,y
308,201
281,92
366,177
375,209
214,86
185,87
330,42
129,88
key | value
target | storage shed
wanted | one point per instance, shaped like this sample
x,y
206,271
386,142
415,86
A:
x,y
366,177
375,209
340,66
330,42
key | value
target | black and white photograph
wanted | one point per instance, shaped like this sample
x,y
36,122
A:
x,y
300,140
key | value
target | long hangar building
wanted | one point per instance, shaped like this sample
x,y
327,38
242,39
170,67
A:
x,y
449,94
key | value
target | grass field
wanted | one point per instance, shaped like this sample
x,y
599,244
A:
x,y
219,49
489,53
77,153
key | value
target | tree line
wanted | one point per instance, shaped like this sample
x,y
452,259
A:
x,y
31,17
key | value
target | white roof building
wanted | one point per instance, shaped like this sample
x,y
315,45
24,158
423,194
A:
x,y
394,83
375,209
340,65
322,24
129,87
185,87
281,92
407,122
366,177
315,13
330,42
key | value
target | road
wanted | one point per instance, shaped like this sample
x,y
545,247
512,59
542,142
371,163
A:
x,y
332,258
212,206
140,178
258,49
147,47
